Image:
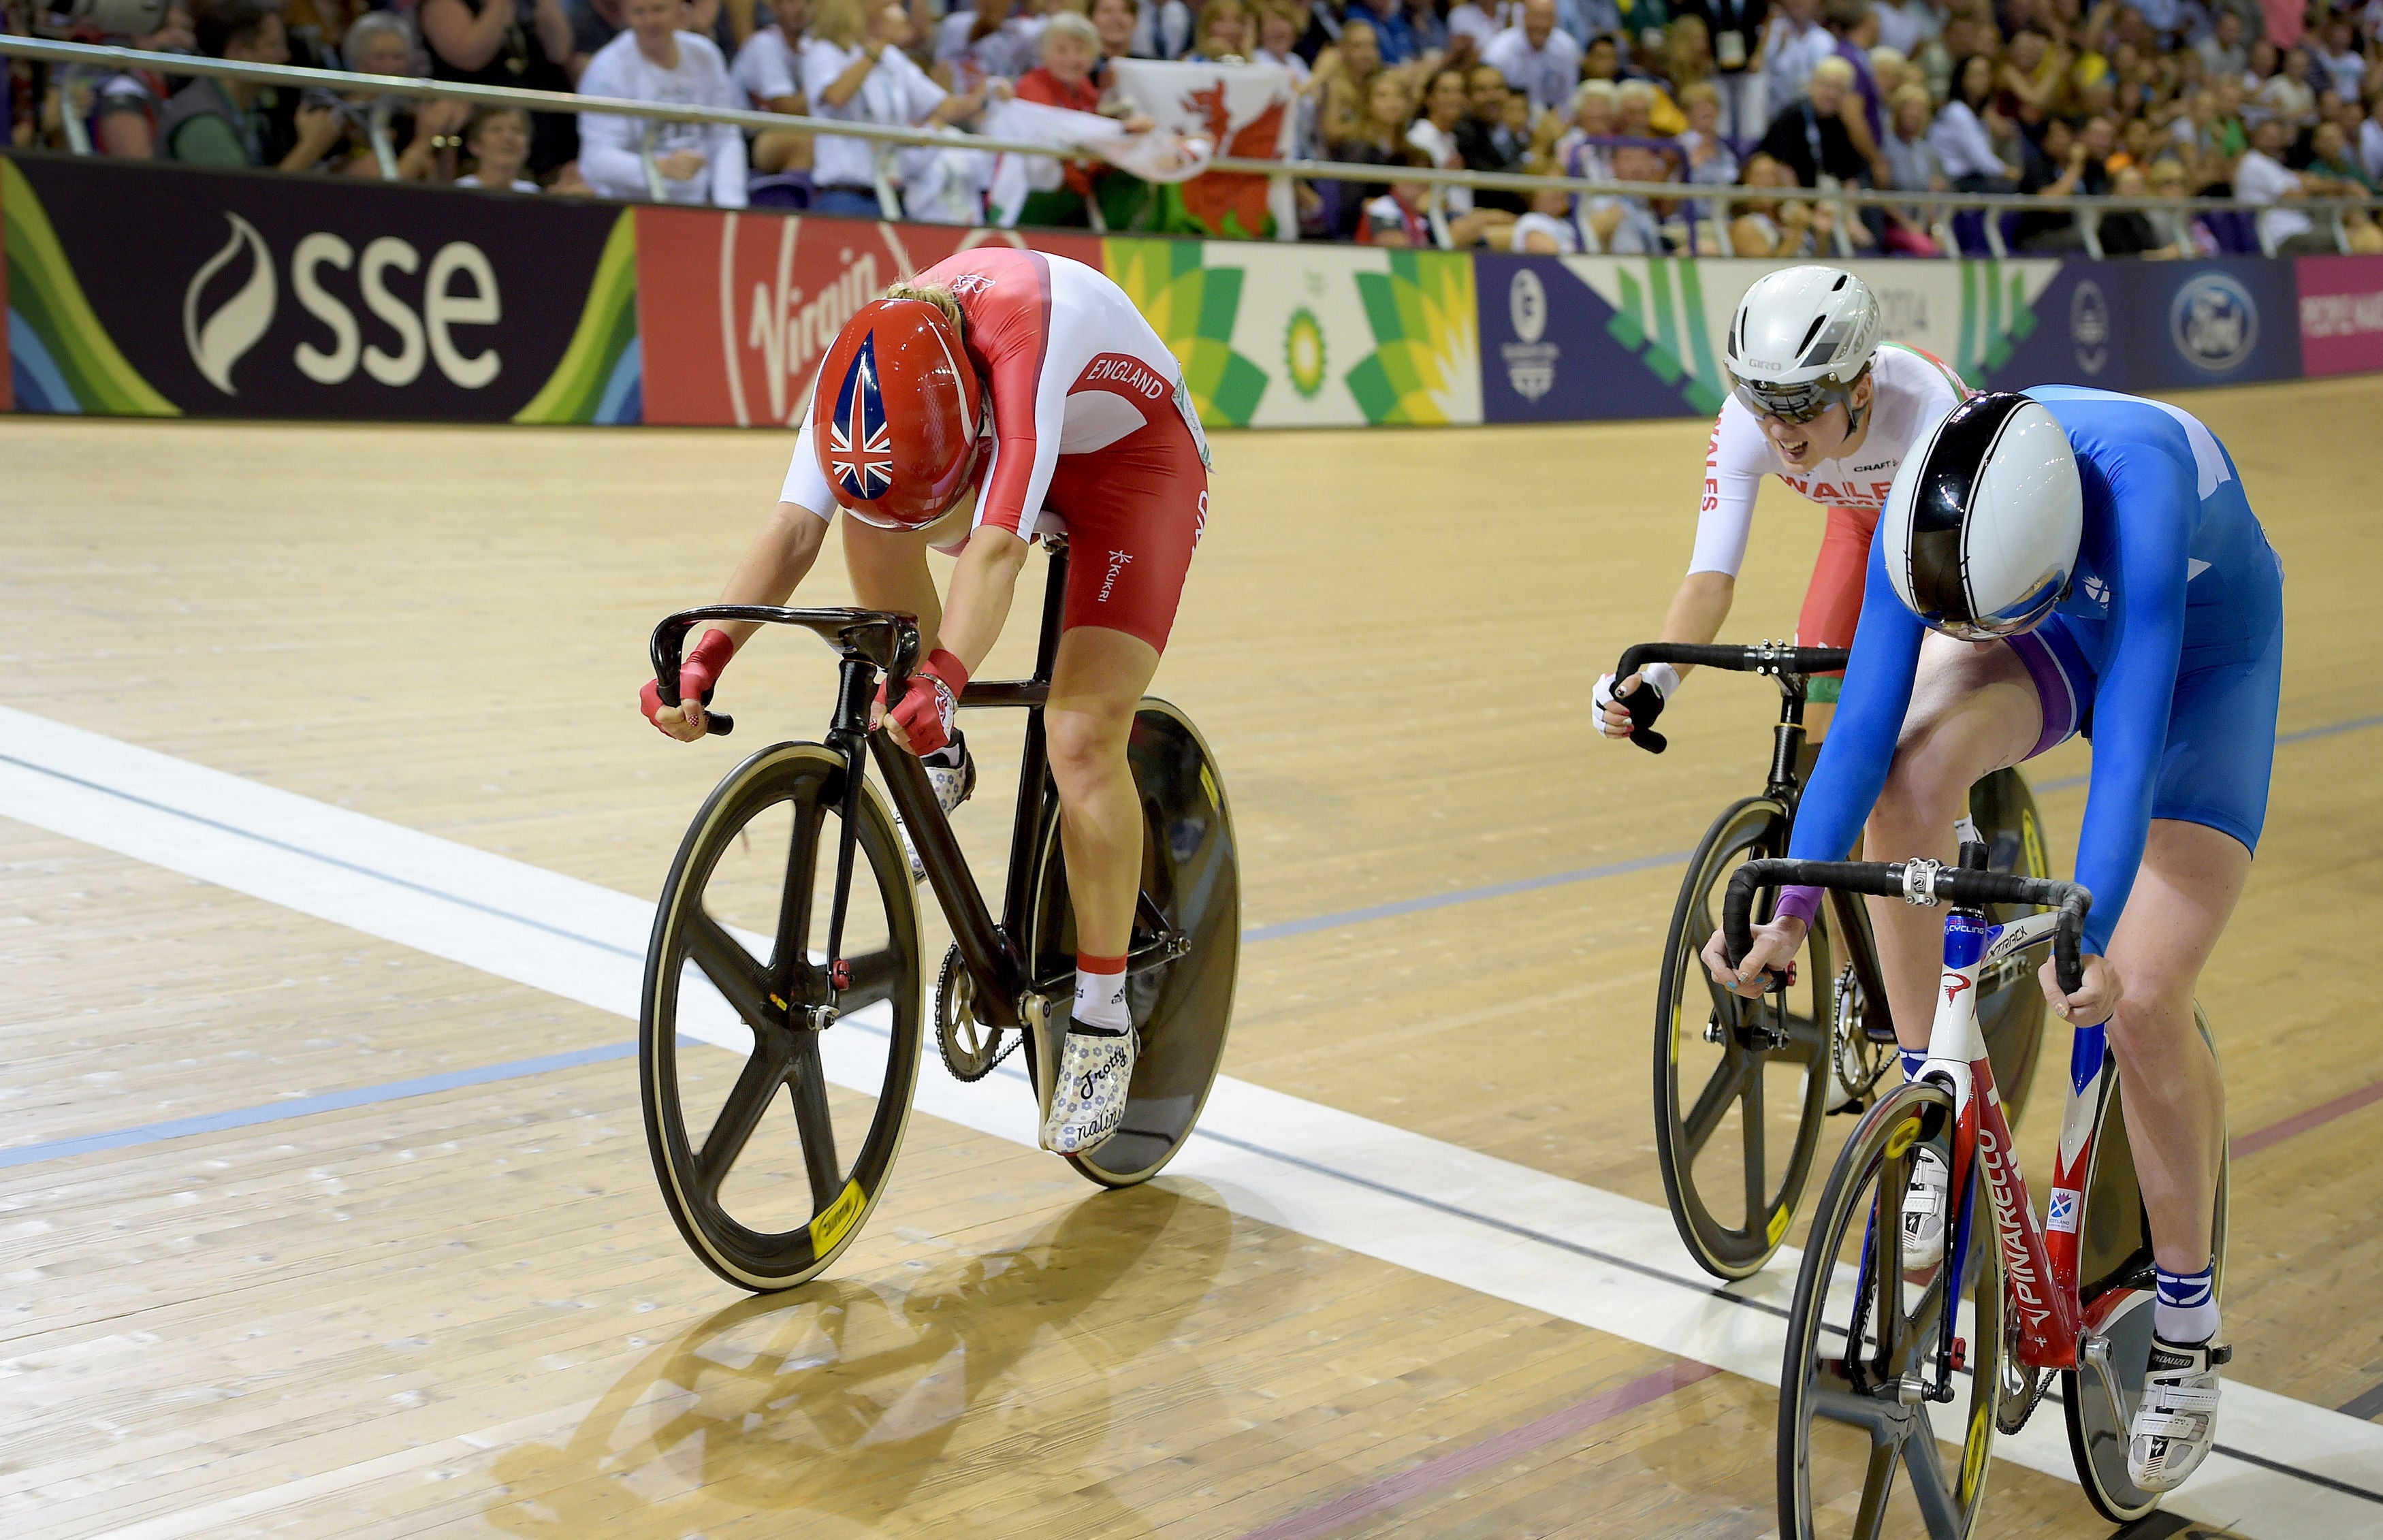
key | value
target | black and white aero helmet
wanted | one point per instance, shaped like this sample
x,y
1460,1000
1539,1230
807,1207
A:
x,y
1800,339
1981,525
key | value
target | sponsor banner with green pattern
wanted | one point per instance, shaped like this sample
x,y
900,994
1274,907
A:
x,y
1311,336
1674,313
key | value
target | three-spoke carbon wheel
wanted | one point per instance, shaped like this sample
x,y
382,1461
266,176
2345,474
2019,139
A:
x,y
1740,1084
1190,886
772,1125
1859,1451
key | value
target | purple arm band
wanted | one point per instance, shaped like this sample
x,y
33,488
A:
x,y
1802,902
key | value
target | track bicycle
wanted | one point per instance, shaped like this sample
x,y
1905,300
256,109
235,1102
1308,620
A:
x,y
1822,1041
788,932
1873,1342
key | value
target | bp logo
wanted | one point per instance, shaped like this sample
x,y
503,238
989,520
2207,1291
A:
x,y
1302,352
2215,323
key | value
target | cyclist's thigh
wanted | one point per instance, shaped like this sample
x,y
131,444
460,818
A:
x,y
2060,678
1134,510
1973,707
1833,601
2221,745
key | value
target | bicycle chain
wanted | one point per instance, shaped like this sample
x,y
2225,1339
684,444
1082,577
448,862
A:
x,y
953,989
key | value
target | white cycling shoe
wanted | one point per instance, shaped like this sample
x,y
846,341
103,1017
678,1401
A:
x,y
953,784
1088,1101
2177,1423
1923,1210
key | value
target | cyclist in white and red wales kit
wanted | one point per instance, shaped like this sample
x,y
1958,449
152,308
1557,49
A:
x,y
1821,403
1033,380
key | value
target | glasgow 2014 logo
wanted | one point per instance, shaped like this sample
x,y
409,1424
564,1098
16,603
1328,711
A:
x,y
2215,323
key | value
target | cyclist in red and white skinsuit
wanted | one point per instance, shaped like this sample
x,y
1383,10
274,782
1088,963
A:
x,y
1824,406
999,396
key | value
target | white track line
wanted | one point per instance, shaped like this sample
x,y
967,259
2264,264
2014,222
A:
x,y
1517,1234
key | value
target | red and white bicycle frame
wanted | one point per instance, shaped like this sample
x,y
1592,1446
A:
x,y
2040,1260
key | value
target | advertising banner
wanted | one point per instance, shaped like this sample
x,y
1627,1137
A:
x,y
2165,325
168,290
1300,336
1552,350
738,308
2341,314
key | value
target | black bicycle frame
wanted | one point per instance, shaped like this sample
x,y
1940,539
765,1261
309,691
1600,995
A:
x,y
871,642
1792,668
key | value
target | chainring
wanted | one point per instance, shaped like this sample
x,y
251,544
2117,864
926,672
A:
x,y
1855,1061
971,1049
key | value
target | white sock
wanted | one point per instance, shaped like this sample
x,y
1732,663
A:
x,y
1100,995
2186,1311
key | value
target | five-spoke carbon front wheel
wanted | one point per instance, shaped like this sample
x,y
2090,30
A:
x,y
772,1125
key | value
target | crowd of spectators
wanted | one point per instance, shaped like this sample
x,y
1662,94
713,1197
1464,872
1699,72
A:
x,y
2270,101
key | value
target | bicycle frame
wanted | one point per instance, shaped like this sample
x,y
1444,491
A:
x,y
2040,1260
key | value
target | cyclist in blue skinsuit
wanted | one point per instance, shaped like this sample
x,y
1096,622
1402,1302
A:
x,y
2060,561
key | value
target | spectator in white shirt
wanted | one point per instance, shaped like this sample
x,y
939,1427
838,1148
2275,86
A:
x,y
1905,27
855,71
1792,44
2340,56
1445,102
498,140
642,157
769,70
1962,137
2260,178
1537,58
2223,51
2370,138
1627,225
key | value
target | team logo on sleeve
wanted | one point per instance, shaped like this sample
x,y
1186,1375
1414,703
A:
x,y
860,446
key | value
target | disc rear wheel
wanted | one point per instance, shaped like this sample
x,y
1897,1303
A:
x,y
774,1126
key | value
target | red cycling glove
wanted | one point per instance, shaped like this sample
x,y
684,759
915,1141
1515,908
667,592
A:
x,y
697,675
930,701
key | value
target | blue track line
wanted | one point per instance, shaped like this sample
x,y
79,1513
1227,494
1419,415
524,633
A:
x,y
395,1091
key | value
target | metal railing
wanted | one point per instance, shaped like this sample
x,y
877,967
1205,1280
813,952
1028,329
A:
x,y
1938,207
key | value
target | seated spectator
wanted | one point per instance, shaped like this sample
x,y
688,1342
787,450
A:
x,y
1536,59
1626,225
1486,140
124,108
2285,94
1375,136
1546,229
1812,137
1224,34
2129,232
1711,162
498,140
1400,218
2175,233
995,41
1392,34
633,157
1892,71
1113,23
855,71
211,122
508,42
1446,102
1601,59
769,69
1912,162
2221,49
1580,151
1278,43
1344,78
2337,59
1908,27
1070,48
1687,52
2066,165
1964,137
1776,226
396,137
2260,178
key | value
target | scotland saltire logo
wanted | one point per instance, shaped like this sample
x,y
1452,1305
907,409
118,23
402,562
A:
x,y
2063,1214
860,446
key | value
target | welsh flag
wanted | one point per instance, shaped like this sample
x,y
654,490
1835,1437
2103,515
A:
x,y
1247,110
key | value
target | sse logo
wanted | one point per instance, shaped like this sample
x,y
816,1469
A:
x,y
459,289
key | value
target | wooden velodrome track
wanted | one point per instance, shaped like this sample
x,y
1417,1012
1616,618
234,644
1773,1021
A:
x,y
284,1253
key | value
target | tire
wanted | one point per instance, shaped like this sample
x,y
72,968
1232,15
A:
x,y
2115,1258
2011,1010
1730,1200
1842,1443
800,1188
1191,873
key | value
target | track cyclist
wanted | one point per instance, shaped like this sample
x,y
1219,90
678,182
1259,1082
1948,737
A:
x,y
1032,381
1821,403
2087,562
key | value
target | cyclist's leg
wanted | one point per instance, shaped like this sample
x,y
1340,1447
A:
x,y
1099,677
1833,604
889,571
1974,709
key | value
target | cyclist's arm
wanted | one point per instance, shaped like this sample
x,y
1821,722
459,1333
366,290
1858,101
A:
x,y
1733,461
2137,686
774,565
1861,746
982,585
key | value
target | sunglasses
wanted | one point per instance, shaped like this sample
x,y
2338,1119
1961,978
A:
x,y
1794,404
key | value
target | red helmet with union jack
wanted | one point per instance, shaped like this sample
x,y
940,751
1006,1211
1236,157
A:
x,y
897,419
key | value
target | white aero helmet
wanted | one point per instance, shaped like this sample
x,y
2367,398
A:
x,y
1980,529
1800,339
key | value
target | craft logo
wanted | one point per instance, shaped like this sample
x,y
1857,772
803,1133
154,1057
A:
x,y
1530,363
2062,1215
2215,323
231,303
2089,326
